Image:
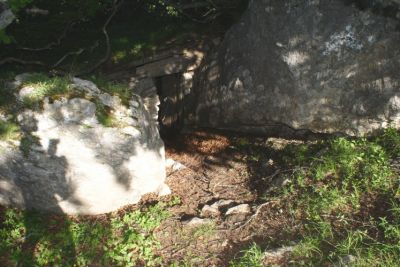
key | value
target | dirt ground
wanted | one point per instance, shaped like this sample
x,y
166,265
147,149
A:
x,y
222,167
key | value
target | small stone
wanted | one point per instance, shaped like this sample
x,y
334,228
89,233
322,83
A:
x,y
25,92
347,260
197,221
223,203
174,165
169,162
178,166
209,211
134,104
240,209
277,255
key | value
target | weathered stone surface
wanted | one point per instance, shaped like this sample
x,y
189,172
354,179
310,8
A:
x,y
147,90
73,164
174,165
210,211
24,92
346,261
223,203
197,221
326,66
240,209
6,16
275,257
86,86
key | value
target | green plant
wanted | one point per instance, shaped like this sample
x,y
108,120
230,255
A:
x,y
123,239
43,86
253,256
9,131
390,140
114,88
348,200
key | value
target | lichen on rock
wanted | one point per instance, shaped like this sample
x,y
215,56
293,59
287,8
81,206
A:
x,y
69,162
289,66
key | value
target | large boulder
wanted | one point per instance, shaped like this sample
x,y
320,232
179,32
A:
x,y
320,65
69,162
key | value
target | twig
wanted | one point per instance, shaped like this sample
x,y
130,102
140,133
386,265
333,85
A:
x,y
107,38
255,215
52,44
77,52
20,61
181,9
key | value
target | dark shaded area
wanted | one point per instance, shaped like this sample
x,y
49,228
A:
x,y
74,29
170,115
35,222
385,8
379,7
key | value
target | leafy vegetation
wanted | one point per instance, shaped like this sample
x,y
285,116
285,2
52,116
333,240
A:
x,y
253,256
70,37
122,239
9,130
344,194
42,86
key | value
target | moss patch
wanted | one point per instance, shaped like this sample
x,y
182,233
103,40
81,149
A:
x,y
9,131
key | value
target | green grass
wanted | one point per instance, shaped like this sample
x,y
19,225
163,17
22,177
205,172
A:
x,y
124,239
44,86
251,256
345,198
113,88
58,87
348,197
9,131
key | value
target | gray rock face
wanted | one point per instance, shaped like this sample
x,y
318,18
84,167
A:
x,y
73,164
147,90
320,65
6,16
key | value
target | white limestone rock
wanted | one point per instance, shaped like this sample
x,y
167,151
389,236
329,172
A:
x,y
72,164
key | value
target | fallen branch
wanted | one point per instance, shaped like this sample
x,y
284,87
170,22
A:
x,y
52,44
104,30
20,61
78,52
255,215
206,16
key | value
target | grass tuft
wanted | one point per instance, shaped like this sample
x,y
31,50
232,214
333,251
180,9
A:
x,y
9,131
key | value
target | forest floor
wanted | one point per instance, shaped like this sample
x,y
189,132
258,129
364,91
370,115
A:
x,y
236,201
231,170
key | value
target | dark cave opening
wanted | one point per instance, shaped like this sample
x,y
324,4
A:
x,y
170,114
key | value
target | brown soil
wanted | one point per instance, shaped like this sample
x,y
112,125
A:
x,y
221,167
